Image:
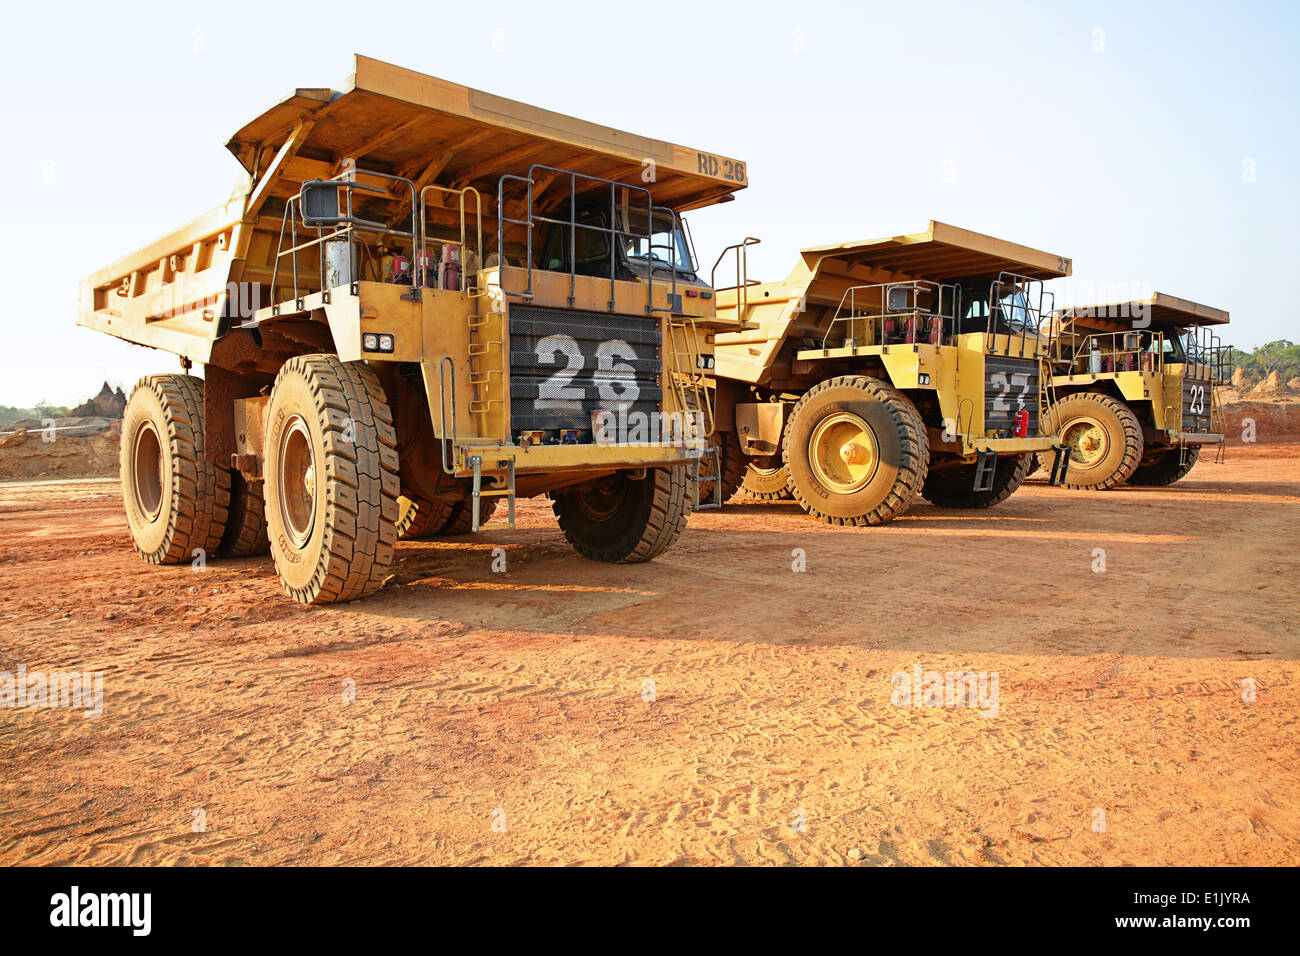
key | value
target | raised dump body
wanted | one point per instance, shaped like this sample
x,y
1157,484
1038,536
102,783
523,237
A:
x,y
1135,386
880,370
423,300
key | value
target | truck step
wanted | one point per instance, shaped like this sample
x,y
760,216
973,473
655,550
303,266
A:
x,y
508,492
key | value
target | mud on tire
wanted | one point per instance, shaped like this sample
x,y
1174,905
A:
x,y
855,450
176,500
625,520
331,479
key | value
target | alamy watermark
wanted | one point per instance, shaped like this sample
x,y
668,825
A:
x,y
83,690
240,300
921,688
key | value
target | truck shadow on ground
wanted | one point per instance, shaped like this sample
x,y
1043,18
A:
x,y
1022,579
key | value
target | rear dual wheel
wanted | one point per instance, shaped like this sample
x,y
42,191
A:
x,y
625,519
1167,467
422,518
176,500
767,483
954,487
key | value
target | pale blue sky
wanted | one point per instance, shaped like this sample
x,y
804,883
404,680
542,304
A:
x,y
1122,135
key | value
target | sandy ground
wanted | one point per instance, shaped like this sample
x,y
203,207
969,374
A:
x,y
503,717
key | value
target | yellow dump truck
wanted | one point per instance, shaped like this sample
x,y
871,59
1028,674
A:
x,y
882,370
421,301
1135,386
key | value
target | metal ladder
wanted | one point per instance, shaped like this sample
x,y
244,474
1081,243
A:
x,y
688,379
1218,425
486,361
986,467
695,477
482,368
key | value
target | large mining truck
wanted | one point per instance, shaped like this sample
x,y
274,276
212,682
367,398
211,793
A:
x,y
421,301
884,370
1136,389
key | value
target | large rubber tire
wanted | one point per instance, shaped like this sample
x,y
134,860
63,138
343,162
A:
x,y
767,484
1167,468
953,487
859,415
1105,440
331,479
625,520
419,518
176,500
246,527
732,460
460,519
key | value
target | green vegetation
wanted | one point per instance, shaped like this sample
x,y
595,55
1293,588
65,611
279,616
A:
x,y
1280,356
40,412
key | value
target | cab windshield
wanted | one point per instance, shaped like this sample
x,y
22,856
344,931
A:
x,y
1018,314
665,247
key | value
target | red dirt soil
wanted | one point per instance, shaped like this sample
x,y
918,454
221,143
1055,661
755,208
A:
x,y
502,717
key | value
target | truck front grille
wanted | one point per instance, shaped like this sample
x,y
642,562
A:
x,y
1196,405
567,364
1010,384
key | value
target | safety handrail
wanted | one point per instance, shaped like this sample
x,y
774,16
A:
x,y
743,281
1008,284
532,218
1098,349
343,227
421,265
913,309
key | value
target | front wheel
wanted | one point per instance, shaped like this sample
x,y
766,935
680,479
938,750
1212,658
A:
x,y
622,519
1104,438
331,479
856,451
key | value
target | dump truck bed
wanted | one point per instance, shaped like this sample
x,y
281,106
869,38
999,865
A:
x,y
777,311
1161,310
173,293
428,129
941,253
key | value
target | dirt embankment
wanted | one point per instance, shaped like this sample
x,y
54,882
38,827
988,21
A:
x,y
70,448
1274,422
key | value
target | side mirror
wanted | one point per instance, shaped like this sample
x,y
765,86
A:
x,y
320,203
897,299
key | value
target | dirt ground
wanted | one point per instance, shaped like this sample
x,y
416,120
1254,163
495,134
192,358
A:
x,y
714,706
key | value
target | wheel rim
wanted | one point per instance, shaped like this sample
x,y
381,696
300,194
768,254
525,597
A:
x,y
1088,441
601,502
843,452
147,469
297,479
